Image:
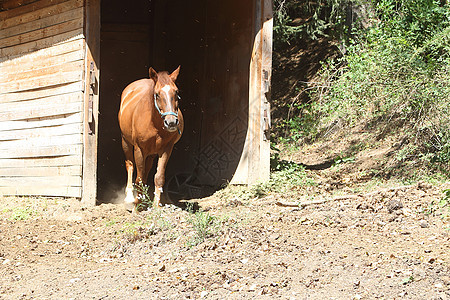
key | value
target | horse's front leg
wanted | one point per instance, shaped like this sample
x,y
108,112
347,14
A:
x,y
129,194
160,176
129,165
140,172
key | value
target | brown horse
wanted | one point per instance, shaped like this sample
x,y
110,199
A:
x,y
151,123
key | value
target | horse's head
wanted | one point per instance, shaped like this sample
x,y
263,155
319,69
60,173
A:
x,y
166,97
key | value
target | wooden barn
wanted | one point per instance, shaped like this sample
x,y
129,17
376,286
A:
x,y
64,63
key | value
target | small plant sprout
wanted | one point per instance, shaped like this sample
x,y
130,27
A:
x,y
144,195
204,225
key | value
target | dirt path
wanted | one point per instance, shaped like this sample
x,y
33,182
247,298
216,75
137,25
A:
x,y
386,244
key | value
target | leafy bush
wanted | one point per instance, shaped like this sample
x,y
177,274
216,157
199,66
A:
x,y
307,31
397,70
300,126
295,20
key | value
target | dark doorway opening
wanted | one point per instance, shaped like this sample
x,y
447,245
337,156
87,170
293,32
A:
x,y
212,41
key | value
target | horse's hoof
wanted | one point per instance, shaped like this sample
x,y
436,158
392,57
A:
x,y
130,206
157,205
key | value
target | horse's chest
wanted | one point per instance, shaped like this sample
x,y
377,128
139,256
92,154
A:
x,y
155,143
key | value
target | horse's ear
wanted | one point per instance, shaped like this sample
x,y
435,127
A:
x,y
153,74
175,73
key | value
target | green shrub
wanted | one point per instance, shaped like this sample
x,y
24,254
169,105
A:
x,y
295,20
397,70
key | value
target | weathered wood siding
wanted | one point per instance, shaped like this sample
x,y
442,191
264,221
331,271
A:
x,y
42,63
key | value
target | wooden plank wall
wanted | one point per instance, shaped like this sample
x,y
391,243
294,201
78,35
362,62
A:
x,y
42,57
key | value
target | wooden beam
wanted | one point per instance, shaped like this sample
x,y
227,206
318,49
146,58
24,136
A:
x,y
36,181
43,189
42,81
43,33
29,76
58,130
35,102
48,151
265,92
69,46
11,4
7,52
55,161
42,58
65,88
37,66
27,13
39,112
43,171
39,142
41,123
41,22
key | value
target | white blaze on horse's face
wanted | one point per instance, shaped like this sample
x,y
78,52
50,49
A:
x,y
166,90
169,107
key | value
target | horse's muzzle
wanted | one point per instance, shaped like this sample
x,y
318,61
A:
x,y
171,123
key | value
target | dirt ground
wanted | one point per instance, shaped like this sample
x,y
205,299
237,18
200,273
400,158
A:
x,y
350,238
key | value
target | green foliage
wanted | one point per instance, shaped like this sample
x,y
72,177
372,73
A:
x,y
286,175
22,213
295,20
205,226
144,195
408,280
414,21
446,199
298,23
136,231
299,127
343,159
441,207
285,178
444,204
442,144
396,70
284,31
147,226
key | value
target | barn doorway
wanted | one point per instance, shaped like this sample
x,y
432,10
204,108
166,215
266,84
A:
x,y
212,41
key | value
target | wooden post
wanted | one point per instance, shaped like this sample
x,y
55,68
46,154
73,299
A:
x,y
258,140
91,96
265,93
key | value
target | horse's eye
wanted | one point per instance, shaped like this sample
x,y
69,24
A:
x,y
157,96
